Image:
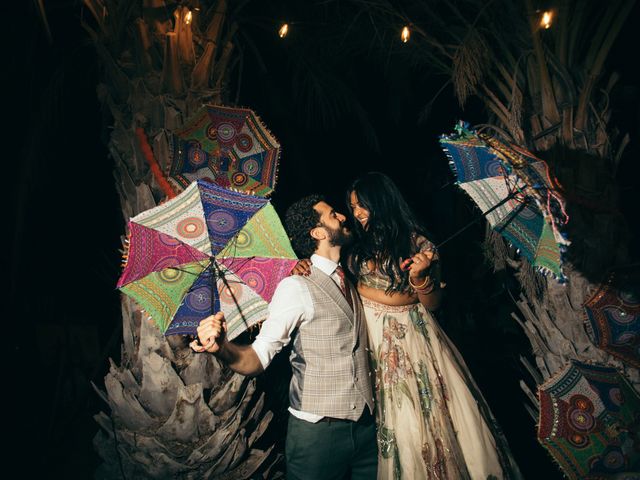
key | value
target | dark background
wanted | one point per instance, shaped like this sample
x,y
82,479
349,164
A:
x,y
65,221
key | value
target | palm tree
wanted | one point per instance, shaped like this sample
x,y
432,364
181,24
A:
x,y
172,413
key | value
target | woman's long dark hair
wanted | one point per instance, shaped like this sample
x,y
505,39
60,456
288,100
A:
x,y
391,230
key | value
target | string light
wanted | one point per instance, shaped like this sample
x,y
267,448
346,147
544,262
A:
x,y
404,36
188,17
284,30
545,21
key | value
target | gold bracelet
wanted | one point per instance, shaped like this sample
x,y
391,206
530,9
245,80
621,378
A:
x,y
427,279
426,290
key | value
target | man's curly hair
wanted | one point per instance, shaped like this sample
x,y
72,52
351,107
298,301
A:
x,y
300,218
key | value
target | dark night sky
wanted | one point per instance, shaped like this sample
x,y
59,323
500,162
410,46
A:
x,y
66,222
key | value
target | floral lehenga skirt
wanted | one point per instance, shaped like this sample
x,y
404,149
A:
x,y
430,425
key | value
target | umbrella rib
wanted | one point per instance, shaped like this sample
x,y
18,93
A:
x,y
214,266
482,215
509,218
223,269
234,242
185,271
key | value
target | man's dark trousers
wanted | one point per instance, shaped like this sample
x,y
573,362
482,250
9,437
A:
x,y
332,449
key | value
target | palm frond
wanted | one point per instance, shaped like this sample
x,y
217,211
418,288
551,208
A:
x,y
469,64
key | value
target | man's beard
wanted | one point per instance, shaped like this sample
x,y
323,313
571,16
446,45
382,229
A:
x,y
339,237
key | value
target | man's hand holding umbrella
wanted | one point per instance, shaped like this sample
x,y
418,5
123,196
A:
x,y
212,338
211,334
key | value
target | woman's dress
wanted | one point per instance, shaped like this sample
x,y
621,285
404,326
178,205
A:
x,y
430,425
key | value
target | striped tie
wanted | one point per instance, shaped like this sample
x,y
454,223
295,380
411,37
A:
x,y
344,285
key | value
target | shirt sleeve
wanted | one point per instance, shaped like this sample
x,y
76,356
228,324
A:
x,y
289,307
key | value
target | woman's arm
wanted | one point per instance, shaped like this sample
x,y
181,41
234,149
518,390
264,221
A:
x,y
432,300
424,275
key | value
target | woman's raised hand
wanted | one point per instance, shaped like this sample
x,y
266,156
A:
x,y
303,267
420,264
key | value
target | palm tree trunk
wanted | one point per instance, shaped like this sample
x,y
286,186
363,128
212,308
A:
x,y
171,413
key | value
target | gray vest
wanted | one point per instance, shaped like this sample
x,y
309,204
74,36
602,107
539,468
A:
x,y
331,375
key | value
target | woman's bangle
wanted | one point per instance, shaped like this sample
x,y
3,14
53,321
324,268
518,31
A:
x,y
424,285
427,290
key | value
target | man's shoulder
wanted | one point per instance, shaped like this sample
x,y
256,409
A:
x,y
291,291
301,283
292,282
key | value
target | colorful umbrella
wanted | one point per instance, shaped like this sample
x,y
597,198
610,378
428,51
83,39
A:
x,y
590,422
515,191
612,318
227,146
208,249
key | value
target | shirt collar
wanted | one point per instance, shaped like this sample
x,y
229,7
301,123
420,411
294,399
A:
x,y
323,263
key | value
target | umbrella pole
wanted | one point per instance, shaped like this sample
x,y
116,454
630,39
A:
x,y
475,220
213,285
235,300
213,303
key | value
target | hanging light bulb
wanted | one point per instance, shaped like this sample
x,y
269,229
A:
x,y
404,36
188,17
545,20
284,30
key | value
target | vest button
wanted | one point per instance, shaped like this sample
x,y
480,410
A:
x,y
353,407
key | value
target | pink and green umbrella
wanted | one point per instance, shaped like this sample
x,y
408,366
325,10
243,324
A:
x,y
209,249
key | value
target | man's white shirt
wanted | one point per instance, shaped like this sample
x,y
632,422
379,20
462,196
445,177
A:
x,y
291,306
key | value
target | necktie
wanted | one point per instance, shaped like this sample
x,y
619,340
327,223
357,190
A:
x,y
344,286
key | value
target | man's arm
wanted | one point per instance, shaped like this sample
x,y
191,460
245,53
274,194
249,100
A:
x,y
213,339
241,358
290,304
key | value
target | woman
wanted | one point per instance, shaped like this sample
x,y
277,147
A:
x,y
430,425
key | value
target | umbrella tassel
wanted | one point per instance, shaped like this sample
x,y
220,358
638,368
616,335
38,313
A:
x,y
125,251
556,231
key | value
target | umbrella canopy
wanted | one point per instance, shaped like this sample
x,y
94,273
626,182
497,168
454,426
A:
x,y
612,318
590,422
227,146
514,190
208,249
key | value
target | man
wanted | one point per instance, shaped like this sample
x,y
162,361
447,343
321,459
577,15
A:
x,y
331,431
